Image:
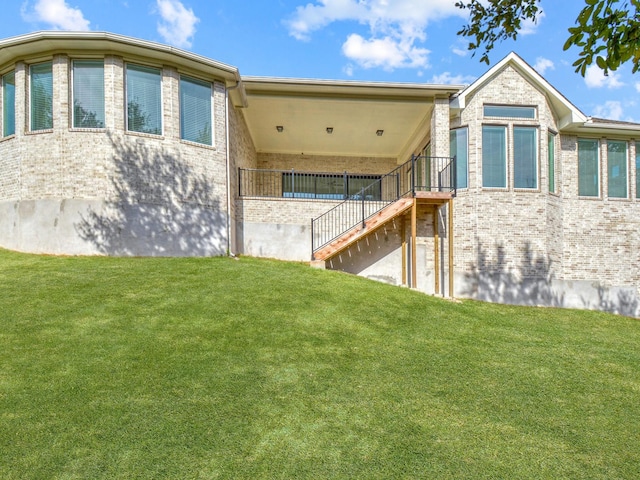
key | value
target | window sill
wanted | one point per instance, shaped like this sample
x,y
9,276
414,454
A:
x,y
90,130
39,132
7,138
144,135
196,144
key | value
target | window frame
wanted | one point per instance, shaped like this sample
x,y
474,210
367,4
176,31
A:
x,y
158,132
509,111
73,95
32,117
598,179
637,146
551,161
5,110
505,157
197,81
452,132
625,164
536,155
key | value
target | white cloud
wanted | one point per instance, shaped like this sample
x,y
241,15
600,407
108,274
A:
x,y
447,78
459,51
178,24
57,13
543,64
395,27
387,52
611,110
637,87
595,78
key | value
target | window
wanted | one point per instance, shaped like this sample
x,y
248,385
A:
x,y
551,153
41,97
509,111
638,170
88,94
616,169
458,147
195,111
494,156
588,166
525,157
330,186
9,104
144,100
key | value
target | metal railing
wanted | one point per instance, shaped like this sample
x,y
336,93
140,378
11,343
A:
x,y
295,184
430,174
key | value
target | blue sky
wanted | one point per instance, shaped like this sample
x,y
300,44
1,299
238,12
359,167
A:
x,y
368,40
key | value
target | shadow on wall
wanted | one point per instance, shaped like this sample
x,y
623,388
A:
x,y
159,207
530,284
533,283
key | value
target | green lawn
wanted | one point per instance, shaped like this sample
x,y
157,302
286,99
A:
x,y
223,368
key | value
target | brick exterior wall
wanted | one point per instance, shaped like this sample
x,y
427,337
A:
x,y
122,177
326,164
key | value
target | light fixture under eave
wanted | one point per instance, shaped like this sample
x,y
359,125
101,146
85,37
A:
x,y
379,132
279,128
329,130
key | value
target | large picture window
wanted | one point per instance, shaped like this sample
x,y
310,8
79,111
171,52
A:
x,y
617,169
494,156
41,96
195,111
88,94
458,147
144,99
525,157
9,104
588,166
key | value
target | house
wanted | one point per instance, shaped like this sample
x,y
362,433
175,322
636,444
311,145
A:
x,y
501,190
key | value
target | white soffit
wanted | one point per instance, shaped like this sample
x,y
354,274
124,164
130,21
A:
x,y
355,112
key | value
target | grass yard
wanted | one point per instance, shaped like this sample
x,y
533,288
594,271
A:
x,y
221,368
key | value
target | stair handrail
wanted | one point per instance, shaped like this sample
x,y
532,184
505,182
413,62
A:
x,y
358,208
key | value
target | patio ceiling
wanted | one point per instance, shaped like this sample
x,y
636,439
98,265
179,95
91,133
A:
x,y
355,111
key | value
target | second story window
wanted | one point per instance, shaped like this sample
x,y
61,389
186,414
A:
x,y
509,111
144,99
41,96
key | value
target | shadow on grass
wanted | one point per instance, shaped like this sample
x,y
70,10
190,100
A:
x,y
159,206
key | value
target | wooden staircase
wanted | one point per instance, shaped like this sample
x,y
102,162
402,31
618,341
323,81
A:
x,y
384,216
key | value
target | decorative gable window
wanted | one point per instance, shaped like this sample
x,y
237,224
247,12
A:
x,y
144,99
195,111
9,104
41,96
509,111
88,94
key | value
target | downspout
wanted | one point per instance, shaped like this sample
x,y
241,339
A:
x,y
228,167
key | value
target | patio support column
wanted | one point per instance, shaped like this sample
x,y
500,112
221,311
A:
x,y
436,250
450,235
414,233
403,237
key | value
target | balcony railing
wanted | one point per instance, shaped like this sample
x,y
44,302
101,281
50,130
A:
x,y
426,174
294,184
